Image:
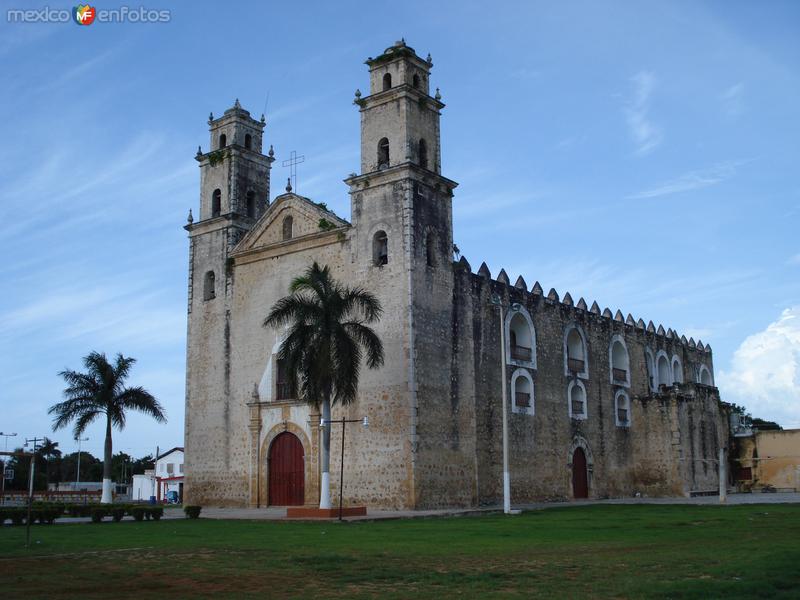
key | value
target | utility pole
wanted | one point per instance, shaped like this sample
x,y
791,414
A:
x,y
78,474
3,493
723,477
497,301
30,489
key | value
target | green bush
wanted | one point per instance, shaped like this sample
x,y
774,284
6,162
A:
x,y
192,512
156,513
117,513
137,512
98,513
79,510
17,516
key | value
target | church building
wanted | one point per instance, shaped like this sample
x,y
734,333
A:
x,y
600,404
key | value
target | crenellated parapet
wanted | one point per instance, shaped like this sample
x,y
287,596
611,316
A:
x,y
657,355
536,292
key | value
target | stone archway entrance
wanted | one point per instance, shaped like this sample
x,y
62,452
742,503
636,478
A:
x,y
580,478
286,468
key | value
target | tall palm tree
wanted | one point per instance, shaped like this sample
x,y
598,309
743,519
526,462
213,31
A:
x,y
48,450
101,391
327,338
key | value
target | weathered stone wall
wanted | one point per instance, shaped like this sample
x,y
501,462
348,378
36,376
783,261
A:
x,y
669,448
210,433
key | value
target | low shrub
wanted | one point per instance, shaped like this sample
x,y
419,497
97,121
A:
x,y
17,516
137,512
49,515
79,510
156,513
192,512
98,513
117,513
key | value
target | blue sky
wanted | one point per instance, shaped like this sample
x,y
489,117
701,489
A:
x,y
640,154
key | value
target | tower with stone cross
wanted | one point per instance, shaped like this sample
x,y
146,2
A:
x,y
234,193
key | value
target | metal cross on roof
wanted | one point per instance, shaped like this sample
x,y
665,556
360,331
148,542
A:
x,y
292,163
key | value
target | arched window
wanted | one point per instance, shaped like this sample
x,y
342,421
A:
x,y
677,370
620,370
522,392
223,141
251,204
575,359
415,80
383,153
705,376
380,248
248,141
622,409
387,81
423,154
576,399
651,369
521,337
664,372
287,227
209,284
430,249
281,380
216,203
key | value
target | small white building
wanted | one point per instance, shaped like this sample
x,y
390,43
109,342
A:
x,y
166,477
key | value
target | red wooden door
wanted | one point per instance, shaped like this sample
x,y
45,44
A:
x,y
580,482
286,471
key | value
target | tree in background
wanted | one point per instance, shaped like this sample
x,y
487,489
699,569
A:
x,y
140,465
47,453
101,392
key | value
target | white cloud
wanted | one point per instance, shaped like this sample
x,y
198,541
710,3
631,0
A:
x,y
646,134
692,180
764,374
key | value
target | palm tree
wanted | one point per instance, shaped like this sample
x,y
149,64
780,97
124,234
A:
x,y
101,391
48,450
322,351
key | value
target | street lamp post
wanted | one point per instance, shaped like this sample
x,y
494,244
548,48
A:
x,y
497,301
78,474
3,474
343,422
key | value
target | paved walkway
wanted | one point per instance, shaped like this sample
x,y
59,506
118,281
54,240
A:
x,y
274,513
279,514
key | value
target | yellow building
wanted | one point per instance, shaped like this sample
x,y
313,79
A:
x,y
769,459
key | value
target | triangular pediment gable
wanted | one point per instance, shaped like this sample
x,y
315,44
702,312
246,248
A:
x,y
306,220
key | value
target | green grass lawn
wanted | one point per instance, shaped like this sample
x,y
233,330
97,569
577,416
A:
x,y
576,552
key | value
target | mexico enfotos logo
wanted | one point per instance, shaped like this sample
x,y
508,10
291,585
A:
x,y
85,14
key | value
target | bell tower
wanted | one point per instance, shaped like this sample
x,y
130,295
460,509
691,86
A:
x,y
399,118
401,158
234,193
402,216
235,172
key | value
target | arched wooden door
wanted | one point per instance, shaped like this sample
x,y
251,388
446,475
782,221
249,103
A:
x,y
286,469
580,480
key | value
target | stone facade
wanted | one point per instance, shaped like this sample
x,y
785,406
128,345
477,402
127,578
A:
x,y
637,402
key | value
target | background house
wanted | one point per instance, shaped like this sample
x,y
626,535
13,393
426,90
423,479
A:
x,y
769,460
166,477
